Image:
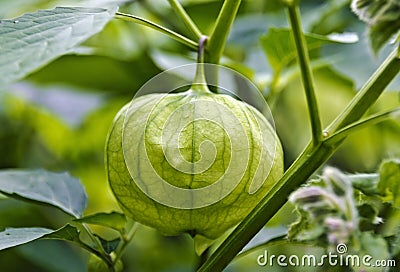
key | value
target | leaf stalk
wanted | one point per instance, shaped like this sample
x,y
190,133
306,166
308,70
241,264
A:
x,y
178,37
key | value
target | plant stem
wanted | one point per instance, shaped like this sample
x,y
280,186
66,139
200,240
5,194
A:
x,y
180,11
221,29
126,239
94,240
369,93
309,161
178,37
199,83
374,119
200,76
306,73
100,252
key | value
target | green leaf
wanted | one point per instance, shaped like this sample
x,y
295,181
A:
x,y
382,17
112,220
368,216
12,237
66,233
374,245
366,183
389,185
57,189
95,264
281,51
71,234
305,228
109,245
34,39
380,34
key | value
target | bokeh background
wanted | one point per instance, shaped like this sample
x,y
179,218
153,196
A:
x,y
58,117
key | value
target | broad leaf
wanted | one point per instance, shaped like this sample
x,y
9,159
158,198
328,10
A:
x,y
71,234
366,183
57,189
389,185
374,245
112,220
66,233
280,49
382,17
34,39
12,237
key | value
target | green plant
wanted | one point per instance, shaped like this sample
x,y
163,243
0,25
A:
x,y
339,208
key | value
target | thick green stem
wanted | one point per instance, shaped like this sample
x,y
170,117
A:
x,y
220,33
306,73
310,160
178,37
369,93
179,10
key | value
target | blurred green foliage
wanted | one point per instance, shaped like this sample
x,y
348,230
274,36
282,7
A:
x,y
59,116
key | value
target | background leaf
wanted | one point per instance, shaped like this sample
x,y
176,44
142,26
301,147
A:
x,y
109,245
389,181
112,220
382,17
11,237
66,233
33,40
366,183
280,49
59,190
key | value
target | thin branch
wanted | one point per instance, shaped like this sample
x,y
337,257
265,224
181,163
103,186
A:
x,y
180,11
306,73
178,37
126,239
372,120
